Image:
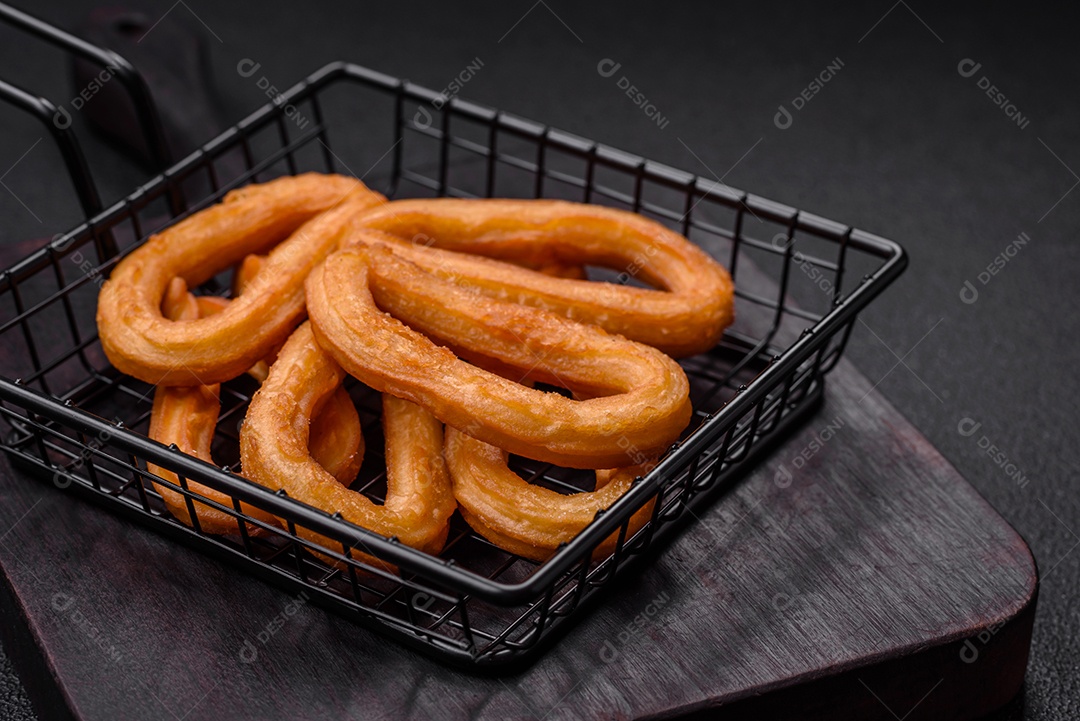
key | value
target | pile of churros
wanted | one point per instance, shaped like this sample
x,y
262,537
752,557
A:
x,y
454,310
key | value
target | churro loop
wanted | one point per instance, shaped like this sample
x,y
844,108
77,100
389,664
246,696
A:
x,y
274,452
523,518
337,440
686,312
645,406
187,417
310,209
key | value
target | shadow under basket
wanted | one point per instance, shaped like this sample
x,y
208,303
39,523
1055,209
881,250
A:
x,y
79,424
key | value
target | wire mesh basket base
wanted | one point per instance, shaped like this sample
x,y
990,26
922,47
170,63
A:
x,y
80,425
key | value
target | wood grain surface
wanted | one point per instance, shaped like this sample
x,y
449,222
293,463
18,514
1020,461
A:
x,y
866,580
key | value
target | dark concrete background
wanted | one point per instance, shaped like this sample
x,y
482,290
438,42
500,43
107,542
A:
x,y
898,143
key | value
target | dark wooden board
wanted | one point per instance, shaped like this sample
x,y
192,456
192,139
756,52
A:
x,y
858,588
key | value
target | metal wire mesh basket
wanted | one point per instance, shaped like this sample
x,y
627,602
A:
x,y
79,424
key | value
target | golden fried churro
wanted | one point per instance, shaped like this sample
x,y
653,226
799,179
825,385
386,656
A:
x,y
187,417
524,518
274,441
643,403
685,313
310,209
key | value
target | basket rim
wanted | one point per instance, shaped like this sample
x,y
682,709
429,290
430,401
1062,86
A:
x,y
430,568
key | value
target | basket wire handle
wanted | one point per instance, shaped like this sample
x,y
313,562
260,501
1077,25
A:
x,y
45,111
50,115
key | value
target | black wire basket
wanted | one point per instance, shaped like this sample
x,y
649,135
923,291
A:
x,y
79,424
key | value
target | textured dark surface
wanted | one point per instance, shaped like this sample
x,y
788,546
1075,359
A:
x,y
897,142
